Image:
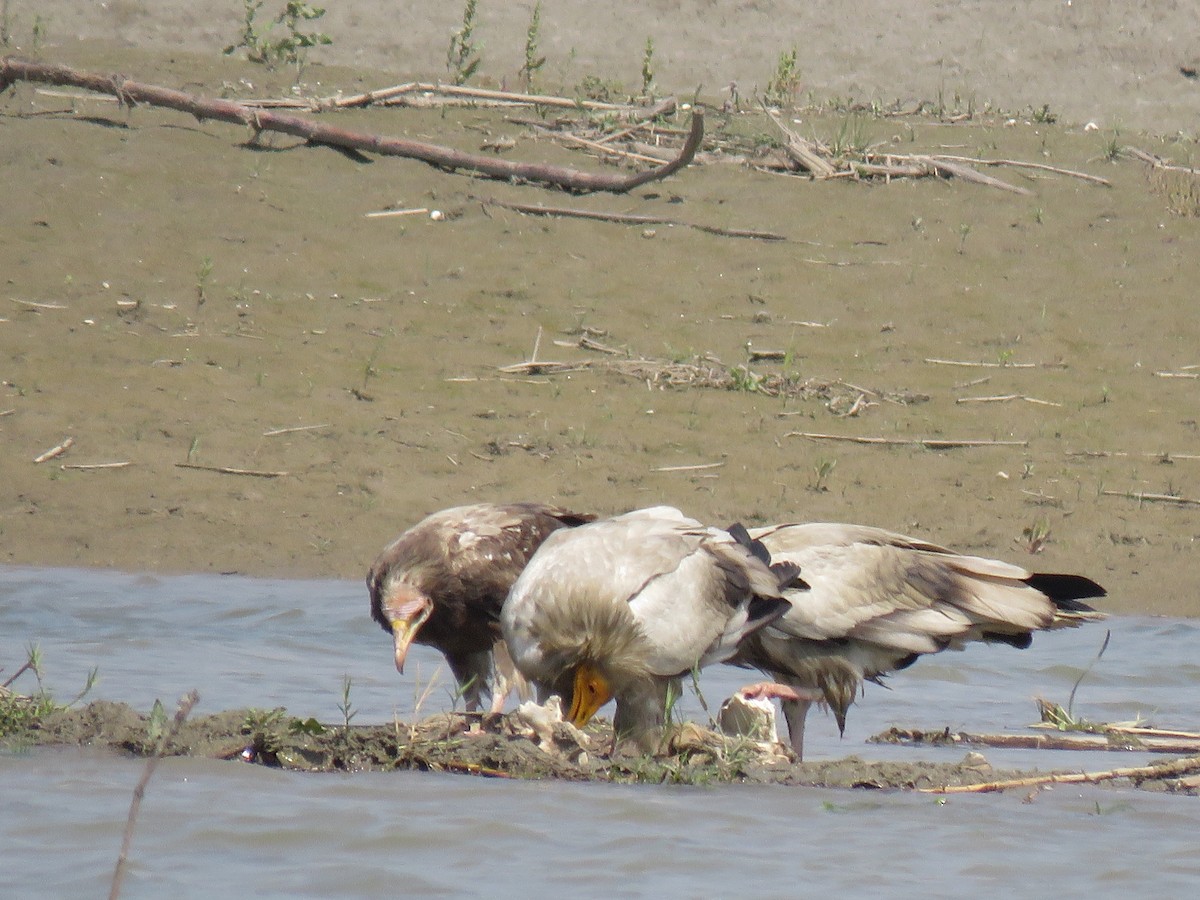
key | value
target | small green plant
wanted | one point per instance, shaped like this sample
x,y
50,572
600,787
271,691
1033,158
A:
x,y
38,38
264,728
19,711
463,55
1044,116
533,62
202,276
963,231
784,82
1112,147
292,47
345,707
1036,534
648,67
742,379
822,470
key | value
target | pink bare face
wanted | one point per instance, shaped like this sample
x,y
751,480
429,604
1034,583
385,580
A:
x,y
407,609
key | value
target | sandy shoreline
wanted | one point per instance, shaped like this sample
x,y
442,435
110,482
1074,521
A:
x,y
175,297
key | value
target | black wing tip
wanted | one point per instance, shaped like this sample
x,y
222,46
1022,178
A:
x,y
1065,591
763,611
788,574
758,549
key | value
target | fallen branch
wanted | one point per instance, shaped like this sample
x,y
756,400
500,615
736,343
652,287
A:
x,y
130,92
927,443
227,470
631,219
1174,768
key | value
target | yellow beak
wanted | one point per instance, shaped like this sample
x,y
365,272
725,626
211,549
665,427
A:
x,y
403,633
590,692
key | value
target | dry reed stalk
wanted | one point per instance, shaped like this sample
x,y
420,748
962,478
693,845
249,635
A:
x,y
185,707
1141,496
927,443
1174,768
229,470
276,431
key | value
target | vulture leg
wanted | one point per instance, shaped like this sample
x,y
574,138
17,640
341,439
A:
x,y
641,714
507,678
475,673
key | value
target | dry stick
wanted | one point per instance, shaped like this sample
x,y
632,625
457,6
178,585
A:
x,y
29,304
1177,767
695,468
131,92
631,219
979,365
1004,398
1161,498
186,703
1016,163
7,412
804,153
90,466
1165,455
227,470
928,443
968,174
1057,741
294,428
397,212
57,450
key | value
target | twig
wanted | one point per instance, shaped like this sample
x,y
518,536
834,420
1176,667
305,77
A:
x,y
131,92
631,219
1176,767
7,412
275,431
32,305
227,470
1054,741
980,365
1165,456
386,213
185,707
1004,398
695,468
1161,498
57,450
1016,163
928,443
90,466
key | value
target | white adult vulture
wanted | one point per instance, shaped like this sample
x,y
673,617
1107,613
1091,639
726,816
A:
x,y
877,601
443,581
623,607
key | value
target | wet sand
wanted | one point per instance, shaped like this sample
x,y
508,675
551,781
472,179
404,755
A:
x,y
175,296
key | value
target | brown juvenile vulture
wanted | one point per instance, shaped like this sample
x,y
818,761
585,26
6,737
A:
x,y
624,606
877,601
442,583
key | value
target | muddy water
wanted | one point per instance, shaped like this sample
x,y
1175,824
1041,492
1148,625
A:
x,y
208,827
